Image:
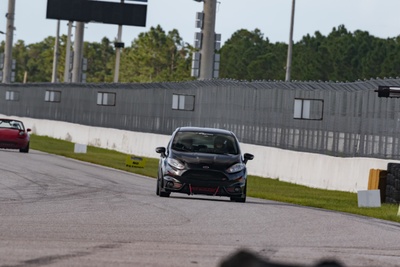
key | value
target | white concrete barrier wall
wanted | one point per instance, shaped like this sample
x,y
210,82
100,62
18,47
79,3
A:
x,y
313,170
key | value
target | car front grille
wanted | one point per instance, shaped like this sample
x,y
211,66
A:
x,y
204,175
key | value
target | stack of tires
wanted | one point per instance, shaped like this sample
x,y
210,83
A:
x,y
393,183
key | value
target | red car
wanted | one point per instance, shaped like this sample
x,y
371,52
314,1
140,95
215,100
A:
x,y
13,135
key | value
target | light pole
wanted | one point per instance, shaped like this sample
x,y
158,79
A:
x,y
78,52
290,47
9,41
67,67
56,54
118,46
208,44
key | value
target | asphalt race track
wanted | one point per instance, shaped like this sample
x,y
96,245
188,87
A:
x,y
60,212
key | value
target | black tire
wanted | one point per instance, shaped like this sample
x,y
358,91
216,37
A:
x,y
239,199
158,186
242,198
393,167
390,179
160,190
395,194
397,184
390,167
390,200
164,194
389,190
25,149
392,194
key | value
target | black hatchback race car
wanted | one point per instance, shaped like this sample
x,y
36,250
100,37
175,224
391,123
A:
x,y
204,161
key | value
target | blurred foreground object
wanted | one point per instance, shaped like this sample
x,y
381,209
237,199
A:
x,y
245,258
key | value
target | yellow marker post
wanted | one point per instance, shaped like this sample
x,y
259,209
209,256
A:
x,y
135,161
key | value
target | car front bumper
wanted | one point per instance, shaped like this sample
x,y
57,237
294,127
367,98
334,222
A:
x,y
232,186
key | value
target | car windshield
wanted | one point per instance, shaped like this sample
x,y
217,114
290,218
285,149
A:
x,y
11,124
215,143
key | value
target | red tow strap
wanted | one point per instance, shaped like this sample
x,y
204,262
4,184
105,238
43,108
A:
x,y
191,192
216,191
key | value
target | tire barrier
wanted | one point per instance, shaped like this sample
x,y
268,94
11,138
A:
x,y
393,183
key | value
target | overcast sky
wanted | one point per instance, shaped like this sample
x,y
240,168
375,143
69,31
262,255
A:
x,y
379,17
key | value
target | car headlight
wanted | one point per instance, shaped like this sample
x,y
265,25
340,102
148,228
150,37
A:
x,y
236,168
175,164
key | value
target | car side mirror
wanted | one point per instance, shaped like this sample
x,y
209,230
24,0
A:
x,y
161,150
248,156
28,130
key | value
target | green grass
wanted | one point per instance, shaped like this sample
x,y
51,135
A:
x,y
264,188
105,157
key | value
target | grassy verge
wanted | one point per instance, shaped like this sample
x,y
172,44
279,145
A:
x,y
258,187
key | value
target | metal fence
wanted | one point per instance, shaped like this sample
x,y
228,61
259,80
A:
x,y
338,119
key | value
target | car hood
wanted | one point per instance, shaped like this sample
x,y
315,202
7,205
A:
x,y
193,159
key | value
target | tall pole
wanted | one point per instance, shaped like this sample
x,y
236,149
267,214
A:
x,y
9,42
68,54
56,54
118,52
290,47
78,53
208,44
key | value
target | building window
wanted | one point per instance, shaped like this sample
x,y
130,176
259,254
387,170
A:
x,y
308,109
183,102
52,96
12,96
106,99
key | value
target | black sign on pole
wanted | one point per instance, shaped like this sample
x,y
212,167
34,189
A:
x,y
388,91
97,11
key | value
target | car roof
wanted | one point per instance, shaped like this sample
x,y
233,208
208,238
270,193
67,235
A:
x,y
203,129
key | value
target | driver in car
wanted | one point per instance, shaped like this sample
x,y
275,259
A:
x,y
220,144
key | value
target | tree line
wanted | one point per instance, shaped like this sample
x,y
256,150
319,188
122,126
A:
x,y
159,56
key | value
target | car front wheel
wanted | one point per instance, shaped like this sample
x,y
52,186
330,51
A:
x,y
242,198
158,186
160,191
25,149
